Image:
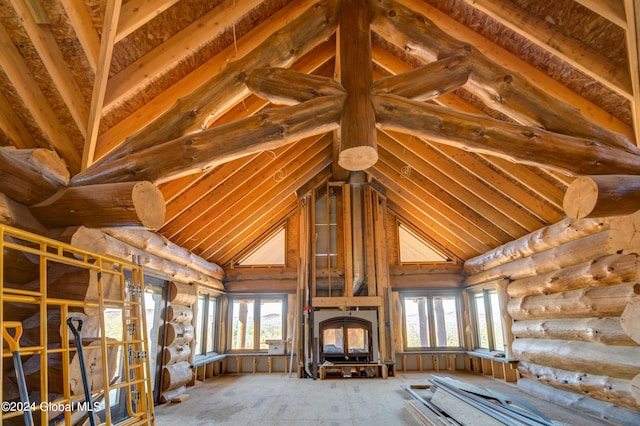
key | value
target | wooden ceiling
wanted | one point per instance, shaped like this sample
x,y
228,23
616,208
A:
x,y
100,80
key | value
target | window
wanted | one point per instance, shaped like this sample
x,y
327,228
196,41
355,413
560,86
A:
x,y
206,324
415,249
255,321
270,252
431,321
486,320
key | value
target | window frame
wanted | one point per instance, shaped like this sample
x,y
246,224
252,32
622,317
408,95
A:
x,y
257,303
200,345
429,295
486,292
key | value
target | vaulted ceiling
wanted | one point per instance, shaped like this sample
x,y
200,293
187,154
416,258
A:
x,y
104,83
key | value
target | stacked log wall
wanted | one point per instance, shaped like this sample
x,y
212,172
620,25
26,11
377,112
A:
x,y
179,340
569,286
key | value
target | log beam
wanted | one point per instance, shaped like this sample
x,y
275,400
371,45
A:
x,y
202,151
538,241
600,387
156,244
283,86
520,144
600,196
607,270
427,82
99,242
622,362
358,144
609,301
118,204
607,330
31,179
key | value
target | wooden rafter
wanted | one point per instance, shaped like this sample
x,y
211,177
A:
x,y
215,68
613,10
176,49
497,85
83,26
51,56
495,55
13,127
136,13
100,83
633,53
575,52
18,73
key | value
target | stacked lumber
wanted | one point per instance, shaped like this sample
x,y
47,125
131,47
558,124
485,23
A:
x,y
176,355
569,285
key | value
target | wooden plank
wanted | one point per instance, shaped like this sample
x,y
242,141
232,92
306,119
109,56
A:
x,y
353,301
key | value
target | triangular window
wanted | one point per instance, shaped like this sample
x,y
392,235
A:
x,y
270,252
415,249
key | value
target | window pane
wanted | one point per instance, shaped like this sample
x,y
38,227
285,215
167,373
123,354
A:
x,y
445,314
416,322
200,326
242,324
211,323
498,336
481,321
270,321
333,341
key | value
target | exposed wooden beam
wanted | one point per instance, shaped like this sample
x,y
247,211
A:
x,y
357,129
172,52
404,30
83,26
226,253
408,210
224,89
109,26
353,301
613,10
136,13
34,100
525,145
218,191
282,86
461,216
427,82
264,203
520,177
224,204
529,179
209,148
51,56
573,51
632,10
13,127
445,230
474,192
249,106
38,13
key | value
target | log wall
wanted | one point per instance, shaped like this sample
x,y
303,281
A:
x,y
569,285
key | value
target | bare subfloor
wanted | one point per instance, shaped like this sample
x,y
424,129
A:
x,y
277,399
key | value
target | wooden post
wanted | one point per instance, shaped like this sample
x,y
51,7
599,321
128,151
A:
x,y
358,126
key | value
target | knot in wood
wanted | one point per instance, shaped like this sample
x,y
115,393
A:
x,y
508,79
420,19
478,131
392,13
529,134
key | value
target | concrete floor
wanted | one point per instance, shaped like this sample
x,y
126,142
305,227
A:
x,y
277,399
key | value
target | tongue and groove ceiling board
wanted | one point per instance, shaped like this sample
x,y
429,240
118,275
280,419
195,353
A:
x,y
101,81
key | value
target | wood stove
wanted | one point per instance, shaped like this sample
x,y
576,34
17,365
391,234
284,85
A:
x,y
346,339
